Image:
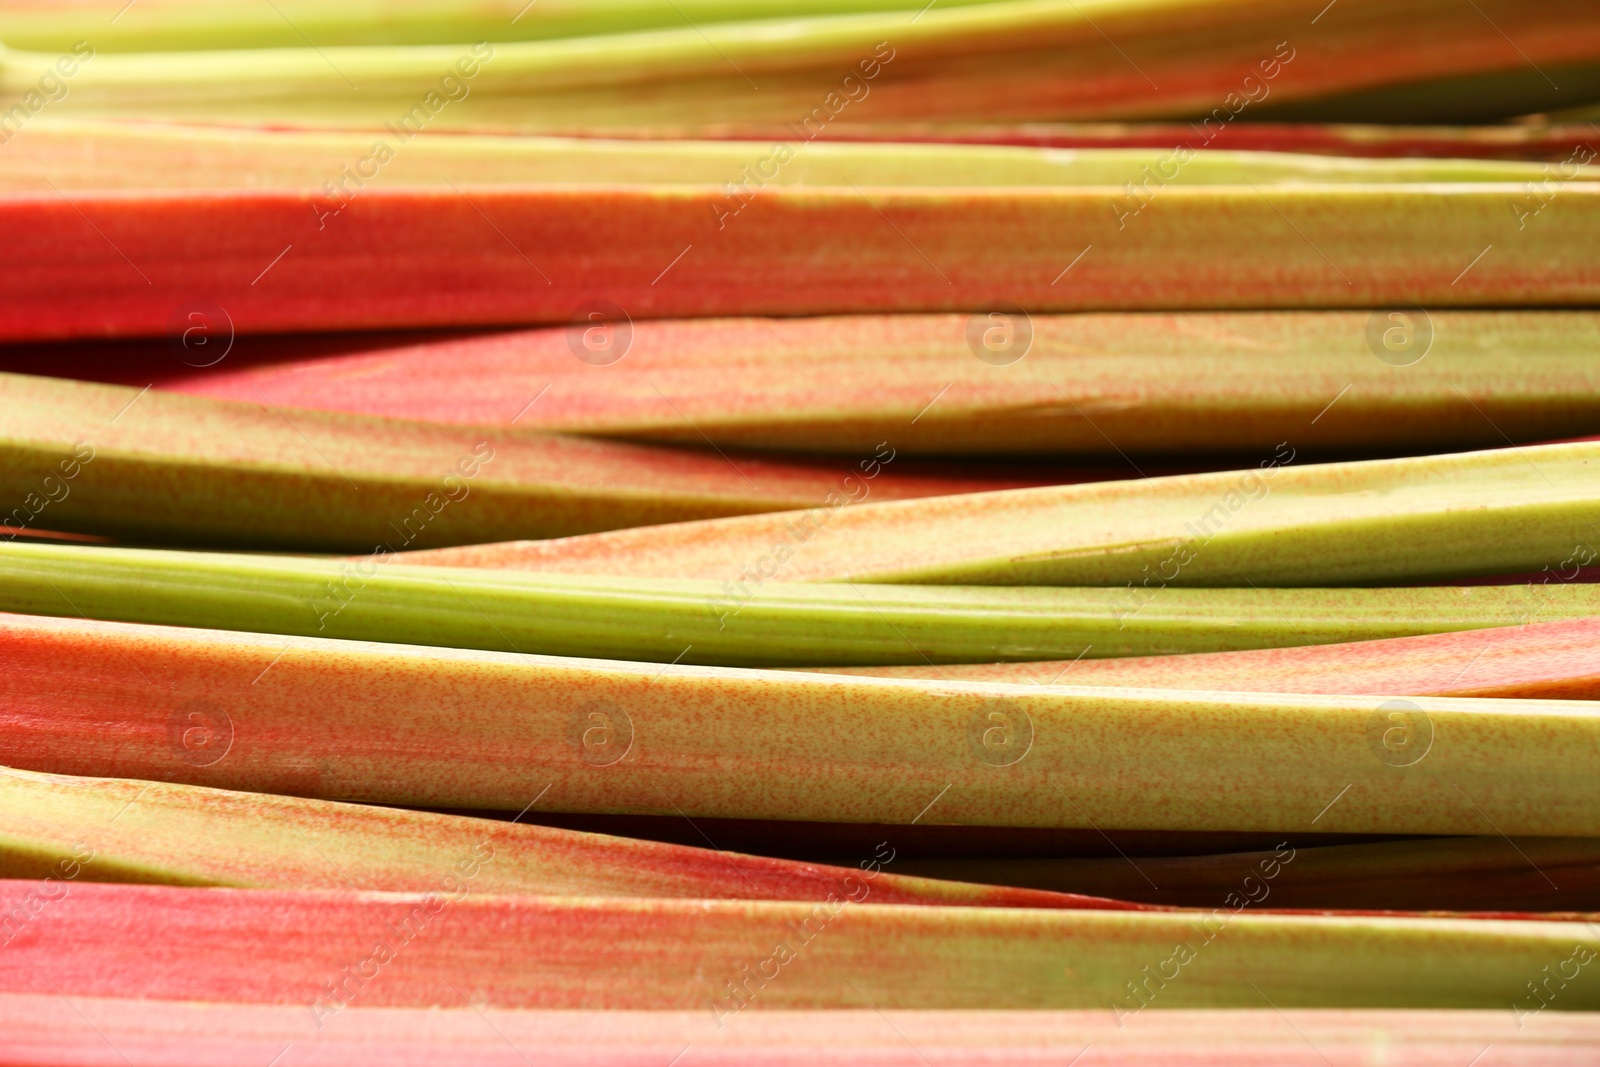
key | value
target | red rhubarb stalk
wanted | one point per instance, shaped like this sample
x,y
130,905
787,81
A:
x,y
118,830
478,255
1085,384
330,949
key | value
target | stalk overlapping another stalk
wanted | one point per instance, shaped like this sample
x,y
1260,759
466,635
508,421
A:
x,y
147,464
454,728
108,830
1096,385
888,244
1550,659
1425,517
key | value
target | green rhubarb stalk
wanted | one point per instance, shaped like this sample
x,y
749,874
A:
x,y
746,621
195,25
1556,660
1086,384
1016,61
1478,513
1477,874
100,155
453,728
720,957
145,464
118,830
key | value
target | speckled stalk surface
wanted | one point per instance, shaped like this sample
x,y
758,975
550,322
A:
x,y
179,1032
1546,874
117,830
1447,516
482,730
88,155
1556,660
1019,61
412,256
163,467
281,947
196,25
1554,142
745,622
1177,382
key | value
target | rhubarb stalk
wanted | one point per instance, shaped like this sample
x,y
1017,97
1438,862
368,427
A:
x,y
116,830
1092,384
151,465
454,728
1425,517
295,947
1554,660
465,254
748,622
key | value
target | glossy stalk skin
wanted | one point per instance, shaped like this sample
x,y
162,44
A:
x,y
1549,660
408,256
417,727
98,156
194,25
1554,142
157,466
745,622
180,1034
1085,385
273,946
1470,874
118,830
1397,520
1028,60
